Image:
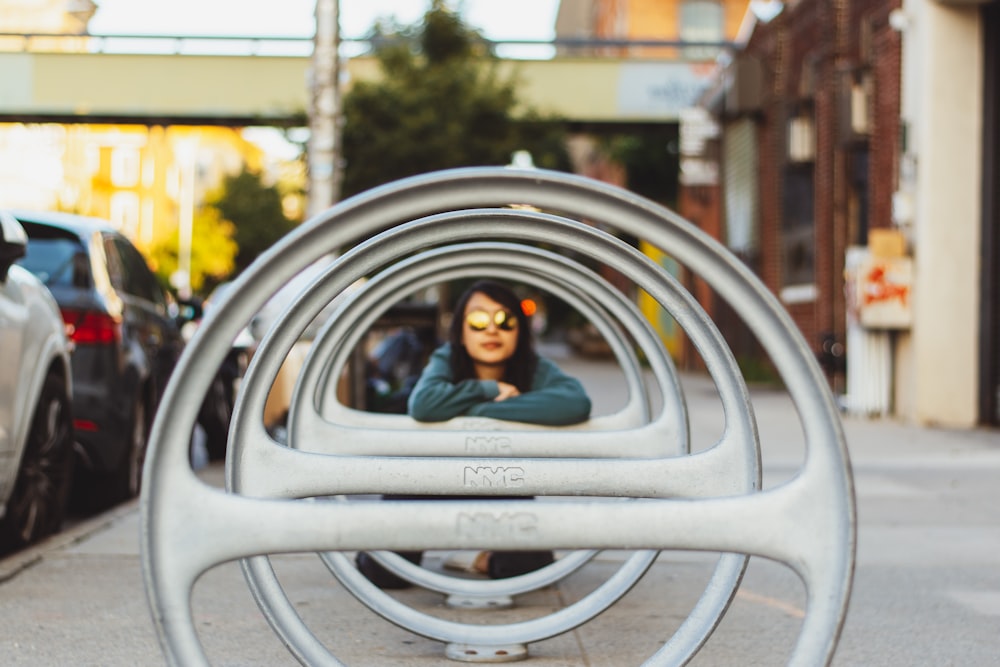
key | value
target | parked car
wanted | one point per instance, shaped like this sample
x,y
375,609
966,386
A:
x,y
126,331
36,443
217,408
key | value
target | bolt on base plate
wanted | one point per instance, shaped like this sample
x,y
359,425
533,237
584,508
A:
x,y
488,654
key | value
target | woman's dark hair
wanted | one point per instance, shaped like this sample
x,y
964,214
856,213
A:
x,y
520,368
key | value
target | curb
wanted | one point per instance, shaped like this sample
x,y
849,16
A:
x,y
19,561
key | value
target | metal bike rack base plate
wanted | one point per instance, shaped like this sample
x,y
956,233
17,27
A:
x,y
456,601
486,654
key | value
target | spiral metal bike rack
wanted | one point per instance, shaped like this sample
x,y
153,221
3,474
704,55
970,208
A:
x,y
506,261
688,502
500,260
465,639
331,349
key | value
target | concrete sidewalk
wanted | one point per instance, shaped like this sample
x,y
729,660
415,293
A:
x,y
927,588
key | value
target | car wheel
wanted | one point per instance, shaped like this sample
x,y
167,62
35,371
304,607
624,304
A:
x,y
100,491
130,473
38,504
216,413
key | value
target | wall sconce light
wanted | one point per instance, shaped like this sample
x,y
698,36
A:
x,y
766,10
801,139
899,20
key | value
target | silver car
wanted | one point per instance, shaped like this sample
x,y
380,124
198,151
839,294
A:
x,y
36,425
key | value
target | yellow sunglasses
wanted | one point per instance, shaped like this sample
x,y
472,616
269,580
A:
x,y
479,320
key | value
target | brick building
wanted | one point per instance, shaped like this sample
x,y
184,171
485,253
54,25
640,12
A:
x,y
868,129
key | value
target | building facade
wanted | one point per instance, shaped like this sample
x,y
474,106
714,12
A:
x,y
691,35
147,180
857,161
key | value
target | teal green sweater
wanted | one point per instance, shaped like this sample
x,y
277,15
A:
x,y
555,399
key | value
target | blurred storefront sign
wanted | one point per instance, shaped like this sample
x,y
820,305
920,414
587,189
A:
x,y
658,89
880,282
699,134
884,286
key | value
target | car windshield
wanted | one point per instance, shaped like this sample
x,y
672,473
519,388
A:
x,y
56,261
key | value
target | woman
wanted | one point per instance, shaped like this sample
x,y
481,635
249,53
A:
x,y
489,368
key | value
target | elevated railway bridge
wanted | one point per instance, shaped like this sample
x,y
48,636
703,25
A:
x,y
265,82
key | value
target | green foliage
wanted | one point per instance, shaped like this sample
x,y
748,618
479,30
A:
x,y
213,252
445,38
255,211
441,103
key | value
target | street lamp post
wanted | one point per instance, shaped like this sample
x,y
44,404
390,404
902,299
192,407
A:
x,y
323,149
187,159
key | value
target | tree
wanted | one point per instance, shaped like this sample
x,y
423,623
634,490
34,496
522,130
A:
x,y
256,213
440,103
212,252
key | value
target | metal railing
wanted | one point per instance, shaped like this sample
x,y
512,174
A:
x,y
251,45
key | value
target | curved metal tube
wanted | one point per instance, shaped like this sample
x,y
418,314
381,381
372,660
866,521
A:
x,y
344,330
329,351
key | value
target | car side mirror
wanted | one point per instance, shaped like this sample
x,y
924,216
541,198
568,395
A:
x,y
13,243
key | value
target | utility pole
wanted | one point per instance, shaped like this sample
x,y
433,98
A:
x,y
323,148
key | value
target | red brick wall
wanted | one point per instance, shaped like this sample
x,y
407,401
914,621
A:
x,y
702,206
818,41
885,145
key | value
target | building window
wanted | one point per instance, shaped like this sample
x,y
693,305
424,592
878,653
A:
x,y
801,138
854,102
701,21
148,171
145,235
798,248
124,167
92,159
742,212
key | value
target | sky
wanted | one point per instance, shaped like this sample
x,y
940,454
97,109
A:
x,y
498,19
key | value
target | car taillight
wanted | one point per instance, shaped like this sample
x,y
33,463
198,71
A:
x,y
85,425
89,327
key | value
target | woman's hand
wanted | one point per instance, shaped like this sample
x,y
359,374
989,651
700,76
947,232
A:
x,y
506,391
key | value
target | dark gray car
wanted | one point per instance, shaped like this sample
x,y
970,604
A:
x,y
126,339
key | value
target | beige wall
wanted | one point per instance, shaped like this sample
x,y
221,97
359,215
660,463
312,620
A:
x,y
943,68
609,89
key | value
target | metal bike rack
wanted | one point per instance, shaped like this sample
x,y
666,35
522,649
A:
x,y
261,578
507,261
405,239
315,393
315,397
189,527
